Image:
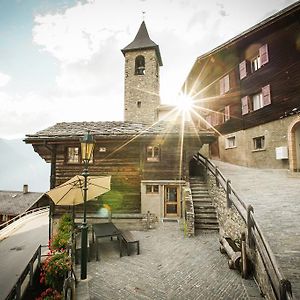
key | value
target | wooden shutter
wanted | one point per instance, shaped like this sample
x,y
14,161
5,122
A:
x,y
263,53
245,105
222,86
243,69
226,83
208,120
227,113
266,95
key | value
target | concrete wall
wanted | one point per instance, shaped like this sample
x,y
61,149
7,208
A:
x,y
155,202
276,135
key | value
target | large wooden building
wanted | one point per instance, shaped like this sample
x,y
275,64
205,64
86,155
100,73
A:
x,y
149,159
248,90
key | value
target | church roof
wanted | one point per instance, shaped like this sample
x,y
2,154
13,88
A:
x,y
109,129
143,41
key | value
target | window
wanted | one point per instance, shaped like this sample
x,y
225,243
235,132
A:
x,y
259,143
73,155
224,85
260,59
139,65
153,153
152,189
230,142
257,101
139,104
255,63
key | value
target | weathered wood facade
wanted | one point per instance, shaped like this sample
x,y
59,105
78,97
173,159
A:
x,y
120,151
251,80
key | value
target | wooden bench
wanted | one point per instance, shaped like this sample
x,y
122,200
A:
x,y
128,239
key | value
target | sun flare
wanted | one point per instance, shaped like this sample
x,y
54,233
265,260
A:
x,y
184,103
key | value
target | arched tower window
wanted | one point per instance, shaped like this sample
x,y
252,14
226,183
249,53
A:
x,y
140,65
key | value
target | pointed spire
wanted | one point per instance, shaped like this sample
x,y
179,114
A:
x,y
143,41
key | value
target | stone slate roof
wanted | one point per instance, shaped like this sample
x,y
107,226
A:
x,y
14,203
143,41
109,129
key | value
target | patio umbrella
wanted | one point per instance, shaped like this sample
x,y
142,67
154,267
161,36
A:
x,y
71,192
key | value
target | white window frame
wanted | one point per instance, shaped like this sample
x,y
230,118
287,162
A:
x,y
153,153
230,142
152,189
73,155
257,101
259,143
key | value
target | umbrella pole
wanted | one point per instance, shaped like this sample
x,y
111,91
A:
x,y
84,228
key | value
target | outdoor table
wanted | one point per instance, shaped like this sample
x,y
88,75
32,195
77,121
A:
x,y
101,230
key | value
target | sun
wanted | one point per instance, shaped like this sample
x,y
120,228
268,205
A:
x,y
184,103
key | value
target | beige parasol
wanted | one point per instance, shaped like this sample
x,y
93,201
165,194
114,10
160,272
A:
x,y
71,192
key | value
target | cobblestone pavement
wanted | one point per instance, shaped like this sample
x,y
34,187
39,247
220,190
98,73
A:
x,y
169,267
275,196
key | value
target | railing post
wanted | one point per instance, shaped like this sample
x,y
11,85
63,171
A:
x,y
205,170
250,227
31,272
228,193
216,174
39,256
285,287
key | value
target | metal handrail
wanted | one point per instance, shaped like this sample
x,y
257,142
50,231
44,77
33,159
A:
x,y
28,212
15,293
281,286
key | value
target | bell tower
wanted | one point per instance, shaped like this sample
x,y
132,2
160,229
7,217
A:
x,y
142,62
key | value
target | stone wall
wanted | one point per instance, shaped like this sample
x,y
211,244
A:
x,y
232,225
141,88
276,135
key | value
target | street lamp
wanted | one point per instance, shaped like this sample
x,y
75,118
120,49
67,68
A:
x,y
87,146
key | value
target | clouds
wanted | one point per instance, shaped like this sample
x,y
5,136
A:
x,y
82,42
4,79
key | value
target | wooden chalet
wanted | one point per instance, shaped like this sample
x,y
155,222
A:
x,y
248,90
153,158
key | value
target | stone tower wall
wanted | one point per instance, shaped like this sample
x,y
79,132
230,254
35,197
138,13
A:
x,y
143,88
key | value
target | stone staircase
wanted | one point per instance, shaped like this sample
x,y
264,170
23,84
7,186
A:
x,y
205,212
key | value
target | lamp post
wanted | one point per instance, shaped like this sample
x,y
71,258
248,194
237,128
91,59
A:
x,y
87,146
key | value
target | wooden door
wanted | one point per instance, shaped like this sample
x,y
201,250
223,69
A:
x,y
171,201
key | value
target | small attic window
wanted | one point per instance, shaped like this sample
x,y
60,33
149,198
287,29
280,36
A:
x,y
140,65
139,104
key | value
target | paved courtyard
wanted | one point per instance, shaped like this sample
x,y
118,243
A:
x,y
275,196
169,267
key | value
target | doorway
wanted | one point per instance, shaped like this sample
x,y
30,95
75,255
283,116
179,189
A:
x,y
171,201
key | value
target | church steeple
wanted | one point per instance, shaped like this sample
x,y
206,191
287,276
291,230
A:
x,y
142,62
143,41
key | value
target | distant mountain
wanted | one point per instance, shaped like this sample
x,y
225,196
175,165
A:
x,y
19,165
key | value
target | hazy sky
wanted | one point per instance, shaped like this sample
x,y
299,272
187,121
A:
x,y
60,60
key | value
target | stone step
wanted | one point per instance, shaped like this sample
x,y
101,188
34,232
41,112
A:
x,y
206,215
206,222
198,187
207,226
210,219
205,210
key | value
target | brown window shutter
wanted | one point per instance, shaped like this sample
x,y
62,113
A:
x,y
243,69
226,83
245,105
222,86
263,53
208,120
266,95
227,113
